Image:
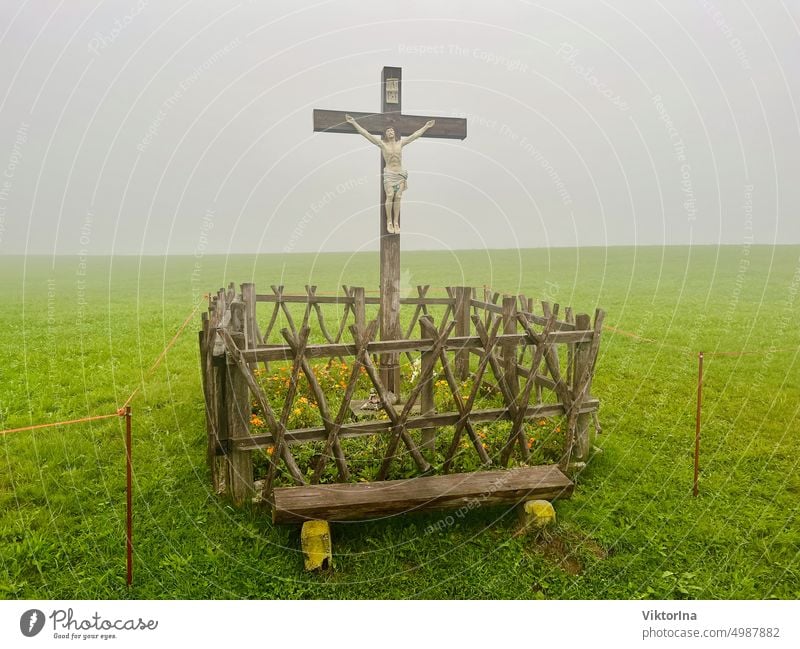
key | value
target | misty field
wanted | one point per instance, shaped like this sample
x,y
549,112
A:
x,y
79,335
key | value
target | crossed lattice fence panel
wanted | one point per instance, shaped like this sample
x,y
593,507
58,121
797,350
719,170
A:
x,y
520,354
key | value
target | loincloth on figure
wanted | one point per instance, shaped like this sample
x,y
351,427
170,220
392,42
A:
x,y
395,181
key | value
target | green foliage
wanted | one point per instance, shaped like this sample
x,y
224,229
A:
x,y
82,343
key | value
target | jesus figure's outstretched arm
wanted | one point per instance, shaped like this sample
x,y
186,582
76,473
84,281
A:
x,y
350,120
418,133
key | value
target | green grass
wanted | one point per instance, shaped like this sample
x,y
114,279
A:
x,y
76,345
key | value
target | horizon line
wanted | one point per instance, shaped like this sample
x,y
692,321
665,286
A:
x,y
417,250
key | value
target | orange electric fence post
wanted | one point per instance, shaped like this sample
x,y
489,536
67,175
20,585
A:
x,y
128,497
124,411
695,488
698,415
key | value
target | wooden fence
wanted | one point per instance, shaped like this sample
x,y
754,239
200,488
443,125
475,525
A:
x,y
530,356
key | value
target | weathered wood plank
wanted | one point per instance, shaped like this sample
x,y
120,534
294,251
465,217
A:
x,y
252,335
371,427
426,402
240,462
541,381
343,502
207,384
585,359
486,306
303,299
333,121
283,352
461,314
342,299
541,320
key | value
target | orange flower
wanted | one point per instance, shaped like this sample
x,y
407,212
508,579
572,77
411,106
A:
x,y
256,421
270,450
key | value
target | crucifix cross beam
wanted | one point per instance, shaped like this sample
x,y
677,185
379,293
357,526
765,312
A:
x,y
333,121
390,116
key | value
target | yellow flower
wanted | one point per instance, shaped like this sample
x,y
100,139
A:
x,y
297,411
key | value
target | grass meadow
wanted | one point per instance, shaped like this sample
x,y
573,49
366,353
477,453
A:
x,y
79,334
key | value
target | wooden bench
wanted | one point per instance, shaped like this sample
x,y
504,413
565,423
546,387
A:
x,y
354,501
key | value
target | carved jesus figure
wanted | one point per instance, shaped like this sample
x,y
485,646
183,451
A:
x,y
394,176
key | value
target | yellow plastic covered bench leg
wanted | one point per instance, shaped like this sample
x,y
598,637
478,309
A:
x,y
315,539
537,514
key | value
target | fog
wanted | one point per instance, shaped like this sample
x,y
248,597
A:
x,y
138,127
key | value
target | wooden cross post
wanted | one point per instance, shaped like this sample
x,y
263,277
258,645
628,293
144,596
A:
x,y
333,121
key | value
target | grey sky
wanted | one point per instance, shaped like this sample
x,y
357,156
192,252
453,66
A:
x,y
168,127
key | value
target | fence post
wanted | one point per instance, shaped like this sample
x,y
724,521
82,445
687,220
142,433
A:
x,y
206,377
582,366
462,296
510,349
237,399
426,403
218,379
359,307
695,486
128,496
250,324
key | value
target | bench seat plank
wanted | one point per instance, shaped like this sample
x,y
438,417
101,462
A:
x,y
355,501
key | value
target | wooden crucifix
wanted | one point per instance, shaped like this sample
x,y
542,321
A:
x,y
393,180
